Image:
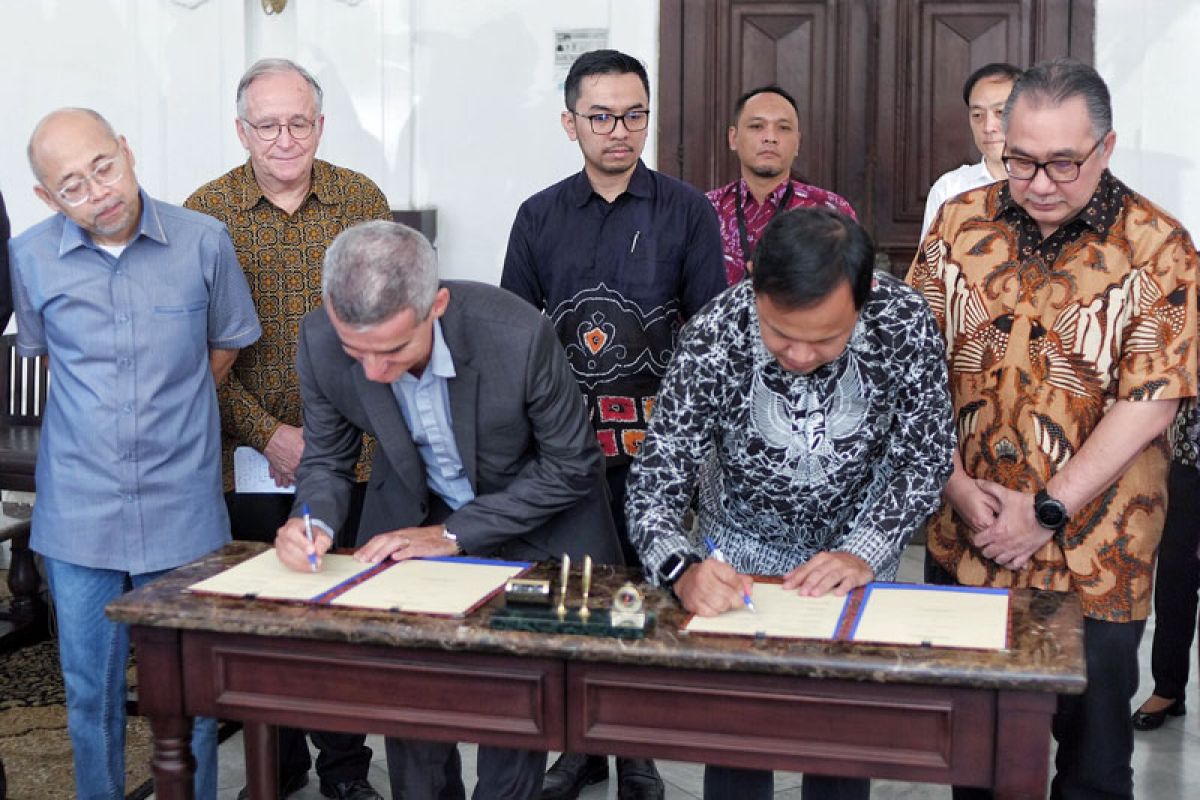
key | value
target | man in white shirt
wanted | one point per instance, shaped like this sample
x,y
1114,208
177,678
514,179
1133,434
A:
x,y
985,92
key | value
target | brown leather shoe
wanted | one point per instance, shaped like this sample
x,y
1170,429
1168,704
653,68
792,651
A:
x,y
638,779
570,773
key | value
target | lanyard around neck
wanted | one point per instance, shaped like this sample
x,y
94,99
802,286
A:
x,y
747,250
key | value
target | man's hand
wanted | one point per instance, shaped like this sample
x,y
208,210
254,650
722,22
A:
x,y
1015,535
829,572
976,507
292,546
283,453
407,543
712,587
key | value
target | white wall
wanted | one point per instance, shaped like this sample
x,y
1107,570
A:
x,y
445,103
1147,53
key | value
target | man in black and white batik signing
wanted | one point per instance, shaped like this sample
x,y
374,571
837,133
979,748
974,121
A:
x,y
810,406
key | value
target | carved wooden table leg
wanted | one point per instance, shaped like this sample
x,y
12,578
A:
x,y
160,699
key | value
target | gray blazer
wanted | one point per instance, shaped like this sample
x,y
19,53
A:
x,y
519,422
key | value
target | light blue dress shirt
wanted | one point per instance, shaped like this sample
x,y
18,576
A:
x,y
129,467
425,404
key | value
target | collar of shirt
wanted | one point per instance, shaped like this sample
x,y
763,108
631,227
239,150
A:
x,y
773,198
323,185
640,185
441,362
1099,214
149,226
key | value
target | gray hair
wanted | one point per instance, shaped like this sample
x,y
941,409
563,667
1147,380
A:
x,y
1054,82
37,129
375,270
275,66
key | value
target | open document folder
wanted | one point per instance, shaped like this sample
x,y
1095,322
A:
x,y
451,587
880,613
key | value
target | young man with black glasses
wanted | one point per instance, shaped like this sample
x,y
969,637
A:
x,y
619,256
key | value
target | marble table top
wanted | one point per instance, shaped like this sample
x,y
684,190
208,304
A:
x,y
1045,655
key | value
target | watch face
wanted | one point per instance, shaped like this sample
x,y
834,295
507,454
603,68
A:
x,y
1051,513
671,568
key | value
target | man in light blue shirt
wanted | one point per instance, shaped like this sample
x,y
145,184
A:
x,y
142,308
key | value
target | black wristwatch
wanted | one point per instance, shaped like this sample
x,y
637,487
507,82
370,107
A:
x,y
673,567
1051,513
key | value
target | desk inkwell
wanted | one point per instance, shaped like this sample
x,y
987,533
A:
x,y
533,605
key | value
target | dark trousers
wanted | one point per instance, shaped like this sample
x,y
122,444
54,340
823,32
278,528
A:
x,y
421,770
1176,584
617,476
729,783
341,757
1093,731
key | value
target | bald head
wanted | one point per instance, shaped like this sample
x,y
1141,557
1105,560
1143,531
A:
x,y
85,171
55,123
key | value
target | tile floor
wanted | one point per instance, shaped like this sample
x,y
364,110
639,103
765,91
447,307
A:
x,y
1166,762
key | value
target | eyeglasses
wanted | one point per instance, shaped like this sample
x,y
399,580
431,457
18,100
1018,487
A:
x,y
1059,170
603,124
269,131
106,172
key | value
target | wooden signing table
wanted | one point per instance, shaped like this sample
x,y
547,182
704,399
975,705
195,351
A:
x,y
907,713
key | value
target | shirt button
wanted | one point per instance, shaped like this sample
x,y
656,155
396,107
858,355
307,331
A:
x,y
129,498
127,409
122,317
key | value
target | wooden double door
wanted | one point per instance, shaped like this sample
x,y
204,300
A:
x,y
878,84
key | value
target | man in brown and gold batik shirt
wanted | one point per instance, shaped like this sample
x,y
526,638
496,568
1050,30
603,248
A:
x,y
283,208
1068,304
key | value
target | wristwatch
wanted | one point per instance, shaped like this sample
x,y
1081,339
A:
x,y
1051,513
673,567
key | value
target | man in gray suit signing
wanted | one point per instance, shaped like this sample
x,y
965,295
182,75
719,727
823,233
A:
x,y
484,445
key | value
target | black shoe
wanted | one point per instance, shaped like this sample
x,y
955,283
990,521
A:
x,y
638,779
288,785
570,773
357,789
1151,720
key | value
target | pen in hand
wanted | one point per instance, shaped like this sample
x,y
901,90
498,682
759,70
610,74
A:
x,y
312,557
716,553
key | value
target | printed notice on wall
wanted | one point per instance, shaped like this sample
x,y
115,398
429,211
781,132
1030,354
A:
x,y
570,43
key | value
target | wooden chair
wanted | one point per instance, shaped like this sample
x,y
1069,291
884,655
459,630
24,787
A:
x,y
22,402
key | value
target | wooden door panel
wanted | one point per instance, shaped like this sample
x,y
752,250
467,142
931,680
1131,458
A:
x,y
878,84
934,47
787,45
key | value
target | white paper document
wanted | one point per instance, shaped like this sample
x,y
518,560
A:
x,y
252,474
938,616
449,587
266,577
782,613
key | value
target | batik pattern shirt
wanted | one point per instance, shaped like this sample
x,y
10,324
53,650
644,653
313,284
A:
x,y
282,255
618,280
851,457
724,200
1043,336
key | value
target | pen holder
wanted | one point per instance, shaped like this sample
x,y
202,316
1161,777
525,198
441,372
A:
x,y
598,622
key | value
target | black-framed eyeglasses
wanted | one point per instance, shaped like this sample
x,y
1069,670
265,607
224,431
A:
x,y
269,131
106,172
1059,170
604,123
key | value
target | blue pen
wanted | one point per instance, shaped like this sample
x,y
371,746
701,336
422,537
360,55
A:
x,y
312,557
716,553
